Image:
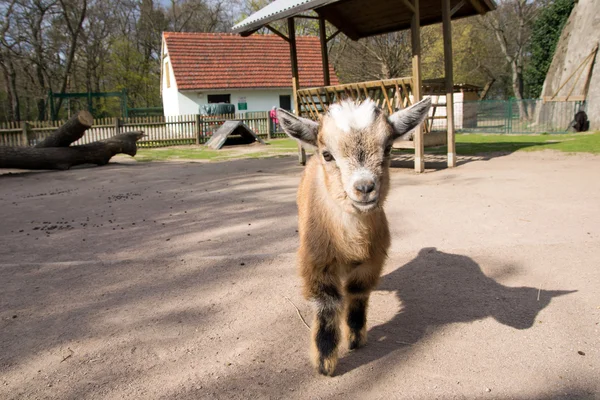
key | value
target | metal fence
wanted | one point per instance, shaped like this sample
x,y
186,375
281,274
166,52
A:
x,y
515,116
160,131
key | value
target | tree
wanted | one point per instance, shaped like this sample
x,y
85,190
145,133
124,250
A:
x,y
73,13
7,63
378,57
511,25
477,57
545,34
92,46
33,14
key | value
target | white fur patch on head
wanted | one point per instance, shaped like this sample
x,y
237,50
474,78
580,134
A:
x,y
350,115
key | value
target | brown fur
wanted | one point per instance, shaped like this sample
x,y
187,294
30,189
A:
x,y
339,244
344,234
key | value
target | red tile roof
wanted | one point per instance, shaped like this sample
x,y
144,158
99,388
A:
x,y
225,60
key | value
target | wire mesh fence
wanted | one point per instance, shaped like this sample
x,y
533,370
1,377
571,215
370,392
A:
x,y
516,116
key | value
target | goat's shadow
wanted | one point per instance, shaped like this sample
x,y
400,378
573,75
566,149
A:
x,y
436,289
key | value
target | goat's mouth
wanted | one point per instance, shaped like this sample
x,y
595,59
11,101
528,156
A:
x,y
365,206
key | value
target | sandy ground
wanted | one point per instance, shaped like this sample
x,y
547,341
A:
x,y
172,280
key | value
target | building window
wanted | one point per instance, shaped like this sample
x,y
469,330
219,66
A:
x,y
285,102
219,98
167,75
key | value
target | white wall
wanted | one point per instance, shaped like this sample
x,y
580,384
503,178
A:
x,y
189,102
440,124
170,95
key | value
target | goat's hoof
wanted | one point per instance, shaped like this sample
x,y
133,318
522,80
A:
x,y
356,340
327,365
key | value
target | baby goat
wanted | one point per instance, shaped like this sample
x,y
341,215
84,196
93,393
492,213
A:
x,y
344,235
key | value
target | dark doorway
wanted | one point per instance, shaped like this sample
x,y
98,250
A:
x,y
285,102
219,98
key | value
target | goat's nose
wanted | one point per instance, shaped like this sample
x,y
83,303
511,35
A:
x,y
364,186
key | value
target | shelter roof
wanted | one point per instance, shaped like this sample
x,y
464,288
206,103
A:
x,y
362,18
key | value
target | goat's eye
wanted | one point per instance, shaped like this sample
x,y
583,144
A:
x,y
327,156
388,150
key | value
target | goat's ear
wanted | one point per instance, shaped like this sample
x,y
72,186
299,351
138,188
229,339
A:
x,y
302,129
404,121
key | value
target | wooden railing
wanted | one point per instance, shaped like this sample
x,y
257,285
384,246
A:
x,y
392,94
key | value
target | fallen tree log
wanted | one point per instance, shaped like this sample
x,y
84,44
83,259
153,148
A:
x,y
70,132
63,158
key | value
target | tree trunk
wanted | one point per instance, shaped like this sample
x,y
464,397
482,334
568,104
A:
x,y
517,84
41,108
70,132
75,31
62,158
16,104
10,82
486,88
55,151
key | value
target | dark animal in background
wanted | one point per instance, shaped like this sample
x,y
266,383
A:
x,y
581,122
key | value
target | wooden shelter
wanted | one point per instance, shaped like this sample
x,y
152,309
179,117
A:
x,y
235,132
363,18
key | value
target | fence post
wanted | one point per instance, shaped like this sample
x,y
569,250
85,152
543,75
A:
x,y
198,128
24,129
117,125
270,125
510,116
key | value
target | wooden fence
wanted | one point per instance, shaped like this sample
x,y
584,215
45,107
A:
x,y
160,131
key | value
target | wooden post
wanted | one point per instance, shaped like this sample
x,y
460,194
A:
x,y
324,55
449,82
198,129
415,29
295,79
117,126
24,138
270,125
301,151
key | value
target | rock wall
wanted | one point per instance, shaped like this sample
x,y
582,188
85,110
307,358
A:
x,y
579,37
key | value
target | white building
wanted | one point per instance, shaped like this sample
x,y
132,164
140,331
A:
x,y
253,73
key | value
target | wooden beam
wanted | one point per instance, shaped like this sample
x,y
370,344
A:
x,y
335,20
408,5
415,29
387,99
275,31
293,50
406,99
589,69
457,7
323,108
449,82
477,6
324,55
306,16
586,86
295,79
366,91
592,55
564,98
357,90
397,97
333,35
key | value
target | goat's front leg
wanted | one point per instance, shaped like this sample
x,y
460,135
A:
x,y
326,325
359,284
